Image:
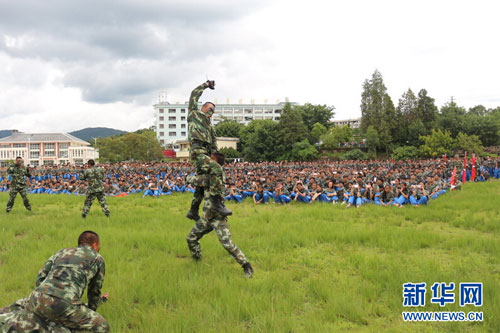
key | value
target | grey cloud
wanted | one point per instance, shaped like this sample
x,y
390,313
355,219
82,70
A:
x,y
120,51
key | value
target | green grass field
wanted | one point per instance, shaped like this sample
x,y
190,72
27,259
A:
x,y
318,268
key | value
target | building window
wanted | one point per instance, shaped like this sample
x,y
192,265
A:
x,y
161,110
19,145
34,163
63,154
172,118
48,149
162,118
171,133
162,142
63,146
162,126
183,125
172,126
34,154
183,110
183,133
162,133
183,118
171,111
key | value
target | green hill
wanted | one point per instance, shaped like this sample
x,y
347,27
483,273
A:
x,y
5,133
87,134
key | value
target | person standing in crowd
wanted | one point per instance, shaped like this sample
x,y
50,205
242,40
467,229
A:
x,y
17,172
94,175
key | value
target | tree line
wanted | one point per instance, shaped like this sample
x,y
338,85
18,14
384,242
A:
x,y
416,127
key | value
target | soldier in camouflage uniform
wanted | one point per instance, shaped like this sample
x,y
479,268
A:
x,y
18,184
94,176
213,220
55,305
203,142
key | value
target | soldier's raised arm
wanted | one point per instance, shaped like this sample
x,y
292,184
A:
x,y
196,94
44,271
95,285
27,173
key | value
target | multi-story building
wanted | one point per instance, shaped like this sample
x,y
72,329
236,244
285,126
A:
x,y
353,123
46,149
171,119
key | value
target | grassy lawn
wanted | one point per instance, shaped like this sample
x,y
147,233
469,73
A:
x,y
318,268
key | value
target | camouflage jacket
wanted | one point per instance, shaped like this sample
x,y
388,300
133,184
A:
x,y
17,174
94,176
199,126
66,274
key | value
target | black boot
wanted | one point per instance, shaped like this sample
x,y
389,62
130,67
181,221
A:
x,y
195,204
247,270
218,206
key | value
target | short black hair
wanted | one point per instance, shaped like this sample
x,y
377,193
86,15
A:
x,y
219,157
88,237
209,103
19,157
91,162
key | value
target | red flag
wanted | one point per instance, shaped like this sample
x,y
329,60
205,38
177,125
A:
x,y
473,172
453,174
464,172
445,158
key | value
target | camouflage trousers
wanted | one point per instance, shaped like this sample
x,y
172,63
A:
x,y
204,165
89,199
12,196
43,313
211,221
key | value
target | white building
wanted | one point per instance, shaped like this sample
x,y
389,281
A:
x,y
353,123
46,149
171,119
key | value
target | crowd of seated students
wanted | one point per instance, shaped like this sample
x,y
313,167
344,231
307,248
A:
x,y
352,183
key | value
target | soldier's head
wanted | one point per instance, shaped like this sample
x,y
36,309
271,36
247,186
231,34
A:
x,y
91,163
91,239
19,161
218,157
208,108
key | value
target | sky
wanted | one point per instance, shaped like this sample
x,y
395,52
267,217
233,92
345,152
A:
x,y
67,65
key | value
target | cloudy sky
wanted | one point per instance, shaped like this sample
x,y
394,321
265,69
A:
x,y
66,65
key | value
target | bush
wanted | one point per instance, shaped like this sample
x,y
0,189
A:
x,y
405,153
230,152
355,154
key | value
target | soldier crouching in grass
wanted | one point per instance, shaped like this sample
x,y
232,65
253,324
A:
x,y
94,176
213,220
18,184
55,305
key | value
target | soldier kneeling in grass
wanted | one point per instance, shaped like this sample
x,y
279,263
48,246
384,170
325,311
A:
x,y
55,305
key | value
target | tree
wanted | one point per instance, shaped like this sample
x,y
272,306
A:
x,y
312,114
415,131
304,151
336,135
228,128
372,140
486,127
291,129
427,110
437,143
141,145
230,152
405,153
452,118
317,131
406,113
259,139
470,143
355,154
377,110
